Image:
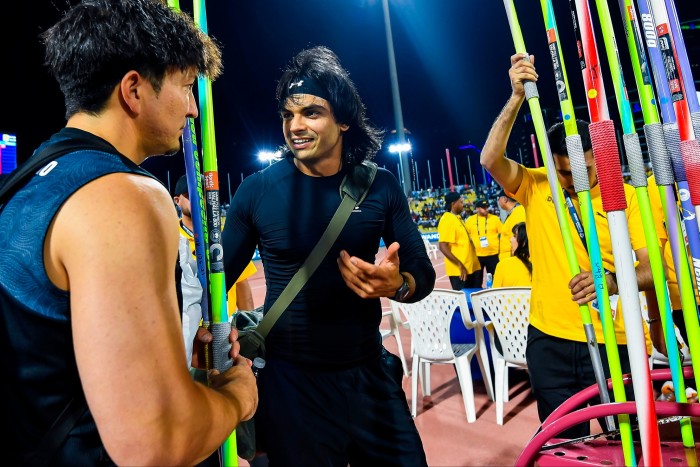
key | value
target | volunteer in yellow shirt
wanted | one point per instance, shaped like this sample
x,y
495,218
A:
x,y
515,270
461,264
516,214
558,359
483,229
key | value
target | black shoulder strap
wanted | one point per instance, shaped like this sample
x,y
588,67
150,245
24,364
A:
x,y
39,159
357,182
353,191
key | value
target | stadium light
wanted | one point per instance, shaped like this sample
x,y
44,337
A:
x,y
269,156
399,148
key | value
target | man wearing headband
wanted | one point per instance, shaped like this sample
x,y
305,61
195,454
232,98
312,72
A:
x,y
330,393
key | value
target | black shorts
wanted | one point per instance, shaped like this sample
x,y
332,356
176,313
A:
x,y
559,368
357,416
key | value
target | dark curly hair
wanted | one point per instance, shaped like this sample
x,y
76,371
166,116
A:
x,y
362,140
98,41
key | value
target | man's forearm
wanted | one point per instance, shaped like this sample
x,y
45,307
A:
x,y
505,171
645,280
495,146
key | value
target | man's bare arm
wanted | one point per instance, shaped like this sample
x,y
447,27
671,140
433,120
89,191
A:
x,y
118,265
244,296
506,172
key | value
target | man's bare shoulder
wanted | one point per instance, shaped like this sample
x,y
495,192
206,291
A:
x,y
96,223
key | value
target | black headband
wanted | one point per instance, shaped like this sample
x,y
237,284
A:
x,y
306,85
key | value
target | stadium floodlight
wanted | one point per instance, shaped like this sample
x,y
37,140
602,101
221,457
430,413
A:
x,y
399,148
269,156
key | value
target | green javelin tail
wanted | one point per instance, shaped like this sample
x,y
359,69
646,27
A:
x,y
532,96
220,327
643,80
582,186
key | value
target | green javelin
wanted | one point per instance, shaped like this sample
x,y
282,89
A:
x,y
651,117
557,197
220,326
634,155
582,185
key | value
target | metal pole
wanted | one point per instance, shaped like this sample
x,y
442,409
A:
x,y
415,169
456,170
442,166
430,176
534,150
398,114
449,169
228,177
169,190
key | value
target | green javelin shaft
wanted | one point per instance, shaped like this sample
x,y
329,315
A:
x,y
220,326
582,185
557,197
651,117
218,284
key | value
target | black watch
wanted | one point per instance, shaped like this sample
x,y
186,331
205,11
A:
x,y
402,292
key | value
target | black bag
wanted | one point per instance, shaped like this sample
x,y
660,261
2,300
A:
x,y
252,328
252,346
252,342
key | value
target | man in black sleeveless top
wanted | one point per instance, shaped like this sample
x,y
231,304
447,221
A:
x,y
87,292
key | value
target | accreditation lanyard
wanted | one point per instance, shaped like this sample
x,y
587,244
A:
x,y
577,221
575,218
486,225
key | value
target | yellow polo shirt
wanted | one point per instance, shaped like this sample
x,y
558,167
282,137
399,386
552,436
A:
x,y
489,227
516,216
511,272
552,309
451,230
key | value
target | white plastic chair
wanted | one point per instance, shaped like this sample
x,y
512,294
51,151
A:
x,y
508,309
393,330
430,248
430,321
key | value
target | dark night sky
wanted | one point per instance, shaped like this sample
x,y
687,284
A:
x,y
452,58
